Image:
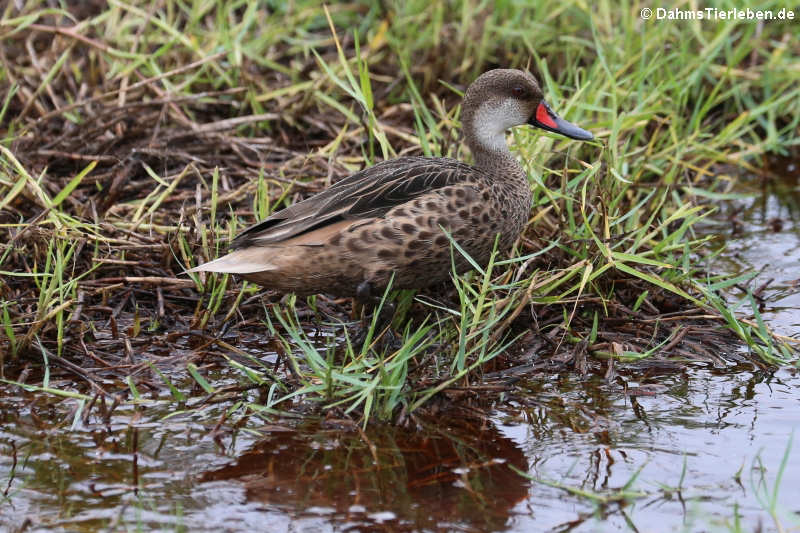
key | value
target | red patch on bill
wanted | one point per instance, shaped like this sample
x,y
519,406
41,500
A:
x,y
543,117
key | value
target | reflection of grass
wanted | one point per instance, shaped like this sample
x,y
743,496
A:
x,y
621,495
693,500
767,495
274,96
603,502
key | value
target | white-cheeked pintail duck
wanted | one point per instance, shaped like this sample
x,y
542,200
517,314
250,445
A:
x,y
387,219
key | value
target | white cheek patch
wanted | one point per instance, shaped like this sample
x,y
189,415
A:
x,y
493,119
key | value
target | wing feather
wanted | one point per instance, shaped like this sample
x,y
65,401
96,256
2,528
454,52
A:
x,y
368,193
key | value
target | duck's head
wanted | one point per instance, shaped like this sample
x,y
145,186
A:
x,y
503,98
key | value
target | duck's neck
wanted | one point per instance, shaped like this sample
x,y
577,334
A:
x,y
487,142
497,162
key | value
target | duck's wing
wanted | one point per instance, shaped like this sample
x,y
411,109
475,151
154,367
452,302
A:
x,y
369,193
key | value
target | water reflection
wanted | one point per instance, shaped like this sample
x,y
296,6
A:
x,y
685,442
695,454
438,476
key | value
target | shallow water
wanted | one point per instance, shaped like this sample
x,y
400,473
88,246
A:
x,y
761,234
722,432
699,449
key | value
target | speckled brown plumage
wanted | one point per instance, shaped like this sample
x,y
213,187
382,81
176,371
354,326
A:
x,y
388,219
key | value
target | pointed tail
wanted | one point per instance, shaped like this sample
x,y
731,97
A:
x,y
244,261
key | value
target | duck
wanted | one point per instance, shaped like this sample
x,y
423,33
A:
x,y
392,223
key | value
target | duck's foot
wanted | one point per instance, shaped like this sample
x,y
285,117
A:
x,y
388,342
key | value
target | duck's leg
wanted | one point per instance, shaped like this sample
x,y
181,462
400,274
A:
x,y
364,293
366,298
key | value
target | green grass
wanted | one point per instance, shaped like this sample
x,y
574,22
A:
x,y
248,108
768,496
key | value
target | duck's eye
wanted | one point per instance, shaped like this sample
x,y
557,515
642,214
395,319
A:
x,y
518,91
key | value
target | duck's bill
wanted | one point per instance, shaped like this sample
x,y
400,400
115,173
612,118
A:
x,y
547,119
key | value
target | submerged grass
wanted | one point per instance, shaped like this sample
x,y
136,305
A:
x,y
137,137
